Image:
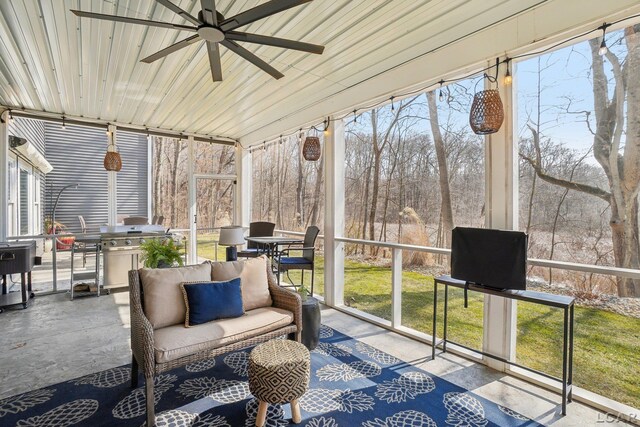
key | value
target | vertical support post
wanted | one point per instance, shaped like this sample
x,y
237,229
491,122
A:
x,y
333,151
243,196
192,253
112,182
4,177
396,287
501,198
150,177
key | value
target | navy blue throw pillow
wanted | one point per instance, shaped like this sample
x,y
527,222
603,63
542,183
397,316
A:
x,y
207,301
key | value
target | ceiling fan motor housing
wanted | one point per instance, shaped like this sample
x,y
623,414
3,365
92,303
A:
x,y
211,34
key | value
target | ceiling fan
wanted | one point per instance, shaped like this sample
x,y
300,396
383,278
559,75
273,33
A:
x,y
217,30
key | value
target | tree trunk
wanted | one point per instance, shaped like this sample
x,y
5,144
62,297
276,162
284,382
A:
x,y
623,171
157,175
443,171
367,181
278,178
174,179
375,187
299,191
530,208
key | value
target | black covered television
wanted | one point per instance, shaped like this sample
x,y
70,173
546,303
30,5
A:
x,y
491,258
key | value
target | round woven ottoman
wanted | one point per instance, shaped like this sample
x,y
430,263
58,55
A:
x,y
279,373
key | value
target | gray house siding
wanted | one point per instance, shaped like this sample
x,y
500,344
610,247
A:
x,y
132,179
77,155
34,132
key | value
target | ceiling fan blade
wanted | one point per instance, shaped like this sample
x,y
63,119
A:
x,y
274,41
239,50
214,61
132,20
262,11
209,12
173,48
186,15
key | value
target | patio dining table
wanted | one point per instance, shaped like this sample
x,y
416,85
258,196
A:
x,y
271,243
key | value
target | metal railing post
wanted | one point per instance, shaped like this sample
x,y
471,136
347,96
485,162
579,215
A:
x,y
396,287
54,262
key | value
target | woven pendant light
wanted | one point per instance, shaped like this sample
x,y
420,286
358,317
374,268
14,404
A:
x,y
311,149
487,112
112,160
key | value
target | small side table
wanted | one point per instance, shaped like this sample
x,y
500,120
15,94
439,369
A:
x,y
310,323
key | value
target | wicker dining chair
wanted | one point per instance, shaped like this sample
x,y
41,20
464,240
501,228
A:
x,y
136,220
257,229
286,262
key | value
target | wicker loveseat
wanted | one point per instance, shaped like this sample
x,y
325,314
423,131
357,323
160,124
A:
x,y
160,343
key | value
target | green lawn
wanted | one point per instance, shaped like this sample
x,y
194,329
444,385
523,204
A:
x,y
607,345
206,247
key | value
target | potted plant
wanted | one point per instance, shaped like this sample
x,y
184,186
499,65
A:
x,y
158,253
48,225
62,242
304,292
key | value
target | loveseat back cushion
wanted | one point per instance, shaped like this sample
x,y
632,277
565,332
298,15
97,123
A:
x,y
174,342
207,301
253,280
163,300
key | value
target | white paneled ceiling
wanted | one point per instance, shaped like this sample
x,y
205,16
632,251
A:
x,y
51,60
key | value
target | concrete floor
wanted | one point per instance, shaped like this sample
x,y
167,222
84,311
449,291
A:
x,y
56,340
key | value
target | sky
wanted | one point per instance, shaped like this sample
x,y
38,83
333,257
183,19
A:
x,y
565,78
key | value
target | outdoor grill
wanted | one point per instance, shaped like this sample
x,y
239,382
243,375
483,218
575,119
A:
x,y
17,258
120,246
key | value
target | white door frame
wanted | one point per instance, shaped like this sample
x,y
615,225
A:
x,y
192,257
27,167
12,189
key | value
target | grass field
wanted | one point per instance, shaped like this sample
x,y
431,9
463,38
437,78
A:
x,y
607,345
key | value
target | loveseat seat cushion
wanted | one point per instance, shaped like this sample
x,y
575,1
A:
x,y
176,341
162,297
253,280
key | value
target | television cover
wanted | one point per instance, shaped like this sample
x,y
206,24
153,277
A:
x,y
488,257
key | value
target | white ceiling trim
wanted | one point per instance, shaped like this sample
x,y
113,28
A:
x,y
48,116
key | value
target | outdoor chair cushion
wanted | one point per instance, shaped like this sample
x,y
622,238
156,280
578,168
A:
x,y
294,260
174,342
253,280
207,301
162,297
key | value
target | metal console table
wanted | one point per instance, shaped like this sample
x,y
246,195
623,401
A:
x,y
558,301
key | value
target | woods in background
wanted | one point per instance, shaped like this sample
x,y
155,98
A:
x,y
170,183
414,169
287,189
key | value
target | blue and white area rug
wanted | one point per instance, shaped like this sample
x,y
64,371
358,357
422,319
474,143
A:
x,y
352,385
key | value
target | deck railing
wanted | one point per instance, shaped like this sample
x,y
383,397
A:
x,y
395,324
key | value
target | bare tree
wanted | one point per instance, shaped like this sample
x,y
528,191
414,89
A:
x,y
443,171
619,161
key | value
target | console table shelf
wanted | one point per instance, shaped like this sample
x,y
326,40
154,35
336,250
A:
x,y
564,303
